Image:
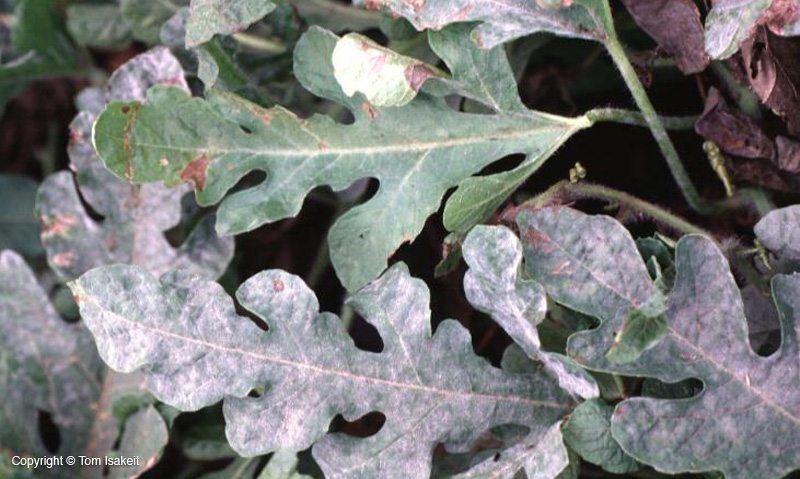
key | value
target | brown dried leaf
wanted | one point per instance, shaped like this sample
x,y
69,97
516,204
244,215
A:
x,y
788,158
772,63
675,25
733,131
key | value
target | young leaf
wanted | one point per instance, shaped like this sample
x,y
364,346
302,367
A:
x,y
211,17
384,77
588,432
431,387
416,152
135,216
49,366
779,230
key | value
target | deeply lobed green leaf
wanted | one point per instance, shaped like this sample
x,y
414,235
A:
x,y
416,152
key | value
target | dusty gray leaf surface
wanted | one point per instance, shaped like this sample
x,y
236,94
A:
x,y
211,17
542,457
591,265
501,20
779,230
494,285
731,22
44,363
744,422
431,387
135,217
48,366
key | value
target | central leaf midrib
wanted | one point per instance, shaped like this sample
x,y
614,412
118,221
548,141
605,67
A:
x,y
399,147
334,372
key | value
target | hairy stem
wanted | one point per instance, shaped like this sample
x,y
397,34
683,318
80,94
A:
x,y
267,45
617,52
635,118
594,191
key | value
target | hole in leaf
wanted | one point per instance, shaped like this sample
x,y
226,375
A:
x,y
680,390
48,431
242,311
256,393
90,211
505,164
452,459
365,335
246,129
489,340
253,178
365,426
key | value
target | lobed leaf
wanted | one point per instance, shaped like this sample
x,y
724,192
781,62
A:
x,y
431,387
744,421
494,285
384,77
48,366
135,217
592,265
416,152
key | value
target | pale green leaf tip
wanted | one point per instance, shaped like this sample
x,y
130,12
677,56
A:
x,y
383,76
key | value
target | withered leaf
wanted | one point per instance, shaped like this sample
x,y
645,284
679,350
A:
x,y
773,70
675,25
733,131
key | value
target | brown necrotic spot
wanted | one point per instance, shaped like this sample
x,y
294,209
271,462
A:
x,y
195,172
63,260
57,225
278,285
126,139
367,108
416,75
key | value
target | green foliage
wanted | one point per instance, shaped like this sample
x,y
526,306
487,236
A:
x,y
671,353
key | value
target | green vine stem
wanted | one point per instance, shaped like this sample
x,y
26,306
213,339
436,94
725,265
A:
x,y
268,45
581,190
635,118
617,52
